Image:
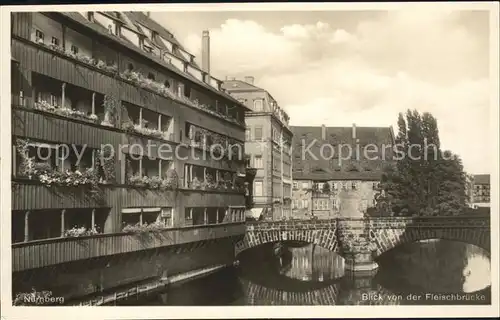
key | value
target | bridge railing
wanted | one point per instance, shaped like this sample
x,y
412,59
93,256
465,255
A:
x,y
379,222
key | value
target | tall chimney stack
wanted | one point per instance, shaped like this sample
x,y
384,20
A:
x,y
249,80
205,51
323,132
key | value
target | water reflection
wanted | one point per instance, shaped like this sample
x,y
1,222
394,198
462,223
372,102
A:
x,y
311,262
304,274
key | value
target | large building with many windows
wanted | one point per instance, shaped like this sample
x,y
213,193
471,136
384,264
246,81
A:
x,y
329,180
118,131
268,143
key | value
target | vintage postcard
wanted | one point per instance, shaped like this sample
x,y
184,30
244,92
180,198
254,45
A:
x,y
278,160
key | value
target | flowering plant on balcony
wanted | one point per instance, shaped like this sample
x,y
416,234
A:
x,y
65,112
145,227
153,183
209,183
147,131
49,176
113,68
69,178
80,232
195,183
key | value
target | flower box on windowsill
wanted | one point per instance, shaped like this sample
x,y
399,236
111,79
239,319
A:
x,y
80,232
65,112
138,228
152,183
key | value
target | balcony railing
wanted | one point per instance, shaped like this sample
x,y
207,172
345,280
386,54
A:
x,y
37,254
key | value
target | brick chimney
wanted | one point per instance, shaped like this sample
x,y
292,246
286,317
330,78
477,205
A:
x,y
148,14
354,131
249,79
205,51
323,132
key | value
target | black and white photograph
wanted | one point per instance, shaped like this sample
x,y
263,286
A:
x,y
249,155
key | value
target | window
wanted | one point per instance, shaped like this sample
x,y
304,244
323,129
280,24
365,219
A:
x,y
53,100
55,41
247,134
39,36
130,67
258,133
74,49
151,76
166,84
110,28
257,105
188,214
166,216
295,185
187,91
258,188
353,185
305,204
257,162
305,185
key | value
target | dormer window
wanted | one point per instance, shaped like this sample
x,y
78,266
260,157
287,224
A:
x,y
55,41
154,35
147,48
166,84
39,36
74,49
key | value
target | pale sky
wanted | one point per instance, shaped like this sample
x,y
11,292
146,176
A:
x,y
343,67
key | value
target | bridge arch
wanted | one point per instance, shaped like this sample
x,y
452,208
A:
x,y
322,234
471,231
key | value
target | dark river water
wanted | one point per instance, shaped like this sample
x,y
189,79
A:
x,y
434,272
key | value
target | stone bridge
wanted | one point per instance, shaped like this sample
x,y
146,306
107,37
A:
x,y
361,241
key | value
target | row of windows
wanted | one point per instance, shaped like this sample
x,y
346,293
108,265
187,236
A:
x,y
213,215
47,224
300,204
354,185
257,133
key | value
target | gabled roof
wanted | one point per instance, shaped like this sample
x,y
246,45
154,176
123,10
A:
x,y
481,179
139,18
239,85
320,164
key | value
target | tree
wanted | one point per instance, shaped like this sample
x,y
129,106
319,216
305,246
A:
x,y
426,180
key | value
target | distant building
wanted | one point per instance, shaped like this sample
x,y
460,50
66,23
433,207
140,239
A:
x,y
324,184
268,143
481,189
